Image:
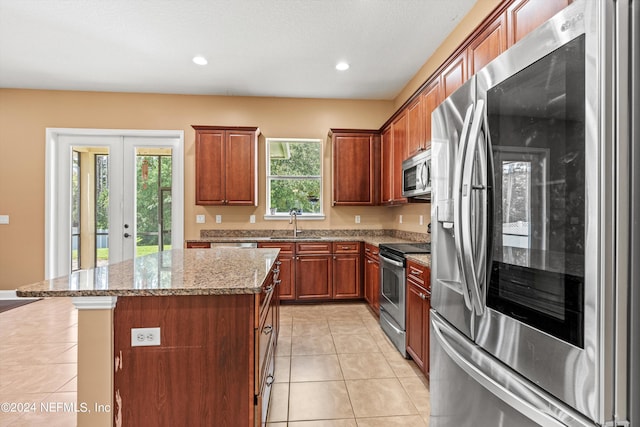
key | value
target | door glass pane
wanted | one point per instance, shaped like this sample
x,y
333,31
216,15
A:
x,y
102,209
536,122
75,210
153,200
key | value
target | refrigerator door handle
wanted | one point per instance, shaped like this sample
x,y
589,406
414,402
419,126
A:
x,y
505,384
474,255
457,211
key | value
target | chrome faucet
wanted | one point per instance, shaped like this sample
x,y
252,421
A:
x,y
293,219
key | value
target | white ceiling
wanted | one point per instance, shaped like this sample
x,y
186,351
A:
x,y
281,48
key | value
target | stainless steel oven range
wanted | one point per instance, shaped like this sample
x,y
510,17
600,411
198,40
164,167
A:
x,y
393,290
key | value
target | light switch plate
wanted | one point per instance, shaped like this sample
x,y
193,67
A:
x,y
200,219
145,337
400,219
218,219
357,219
252,219
421,220
4,219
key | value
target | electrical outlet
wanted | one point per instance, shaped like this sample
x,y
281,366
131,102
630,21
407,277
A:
x,y
421,220
218,219
4,219
145,337
199,219
252,219
400,219
357,219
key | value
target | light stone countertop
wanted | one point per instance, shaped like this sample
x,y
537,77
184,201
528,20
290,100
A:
x,y
216,271
423,259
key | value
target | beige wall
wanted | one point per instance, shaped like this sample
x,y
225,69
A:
x,y
25,114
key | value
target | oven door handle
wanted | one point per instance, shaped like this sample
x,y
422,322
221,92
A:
x,y
457,208
474,252
391,261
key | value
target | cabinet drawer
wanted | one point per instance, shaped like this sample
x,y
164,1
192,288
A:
x,y
371,251
201,245
313,248
268,288
264,342
419,274
346,247
285,248
262,399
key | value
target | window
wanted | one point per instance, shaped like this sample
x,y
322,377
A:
x,y
294,178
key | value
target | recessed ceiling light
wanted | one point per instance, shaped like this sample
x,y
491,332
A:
x,y
342,66
200,60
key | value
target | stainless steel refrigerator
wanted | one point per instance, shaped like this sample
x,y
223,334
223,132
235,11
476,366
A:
x,y
535,241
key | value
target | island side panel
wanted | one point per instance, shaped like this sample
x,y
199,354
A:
x,y
201,374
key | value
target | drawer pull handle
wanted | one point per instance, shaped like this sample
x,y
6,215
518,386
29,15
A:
x,y
369,261
278,262
346,248
268,289
267,329
416,272
277,282
269,380
276,271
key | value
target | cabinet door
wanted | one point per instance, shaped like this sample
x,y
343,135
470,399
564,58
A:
x,y
372,284
240,168
399,154
415,128
313,277
454,75
386,170
346,276
490,43
523,16
354,169
210,167
426,308
415,323
287,268
431,98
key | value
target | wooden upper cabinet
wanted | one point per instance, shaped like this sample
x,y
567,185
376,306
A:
x,y
386,166
431,98
355,167
454,75
523,16
415,128
226,166
394,151
487,45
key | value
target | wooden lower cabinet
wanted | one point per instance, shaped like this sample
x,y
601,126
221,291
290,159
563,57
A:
x,y
313,277
418,304
287,268
215,364
346,276
372,278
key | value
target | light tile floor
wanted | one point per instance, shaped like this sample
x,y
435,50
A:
x,y
334,368
38,357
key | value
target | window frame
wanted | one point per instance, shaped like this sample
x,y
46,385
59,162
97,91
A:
x,y
269,178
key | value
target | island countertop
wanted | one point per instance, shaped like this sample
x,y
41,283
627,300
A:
x,y
216,271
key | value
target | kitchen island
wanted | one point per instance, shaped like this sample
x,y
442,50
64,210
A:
x,y
215,314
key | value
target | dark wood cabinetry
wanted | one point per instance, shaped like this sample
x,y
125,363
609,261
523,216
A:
x,y
524,16
328,271
220,153
417,314
214,365
416,140
454,75
372,277
287,268
355,168
198,245
347,270
394,149
431,98
487,45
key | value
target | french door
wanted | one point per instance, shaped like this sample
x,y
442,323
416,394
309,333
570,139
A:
x,y
111,195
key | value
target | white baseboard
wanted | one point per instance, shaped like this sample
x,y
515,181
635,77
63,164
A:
x,y
7,295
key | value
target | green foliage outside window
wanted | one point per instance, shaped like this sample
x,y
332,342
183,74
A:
x,y
294,176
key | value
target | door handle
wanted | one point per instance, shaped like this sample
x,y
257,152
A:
x,y
457,207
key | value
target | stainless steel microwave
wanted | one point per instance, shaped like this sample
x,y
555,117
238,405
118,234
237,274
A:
x,y
416,176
